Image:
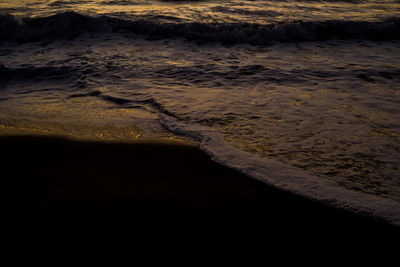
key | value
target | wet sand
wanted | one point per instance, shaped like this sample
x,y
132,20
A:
x,y
152,183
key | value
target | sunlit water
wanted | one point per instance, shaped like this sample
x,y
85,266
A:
x,y
313,84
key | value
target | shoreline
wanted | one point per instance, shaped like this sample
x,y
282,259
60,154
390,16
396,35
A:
x,y
152,182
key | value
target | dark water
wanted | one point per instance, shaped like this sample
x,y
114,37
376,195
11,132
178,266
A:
x,y
307,86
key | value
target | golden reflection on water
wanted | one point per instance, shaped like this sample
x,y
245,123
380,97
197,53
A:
x,y
207,11
62,118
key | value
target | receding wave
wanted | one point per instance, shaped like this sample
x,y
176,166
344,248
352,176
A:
x,y
69,25
283,176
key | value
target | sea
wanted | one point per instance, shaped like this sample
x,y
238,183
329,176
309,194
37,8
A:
x,y
303,95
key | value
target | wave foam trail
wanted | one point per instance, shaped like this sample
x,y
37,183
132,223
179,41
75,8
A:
x,y
282,176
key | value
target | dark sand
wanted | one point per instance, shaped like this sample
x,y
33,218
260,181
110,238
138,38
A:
x,y
152,183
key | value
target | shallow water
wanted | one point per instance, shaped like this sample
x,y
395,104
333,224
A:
x,y
312,84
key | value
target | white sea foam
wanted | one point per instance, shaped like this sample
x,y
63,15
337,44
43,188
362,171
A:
x,y
283,176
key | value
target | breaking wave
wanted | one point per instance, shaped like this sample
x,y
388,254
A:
x,y
69,25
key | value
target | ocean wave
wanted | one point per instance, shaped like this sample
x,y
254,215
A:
x,y
283,176
30,72
69,25
74,77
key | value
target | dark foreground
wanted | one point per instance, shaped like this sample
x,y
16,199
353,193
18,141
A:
x,y
152,184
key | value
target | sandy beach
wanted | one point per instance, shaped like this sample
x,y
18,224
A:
x,y
151,182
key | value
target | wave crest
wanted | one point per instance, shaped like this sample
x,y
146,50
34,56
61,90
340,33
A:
x,y
70,24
